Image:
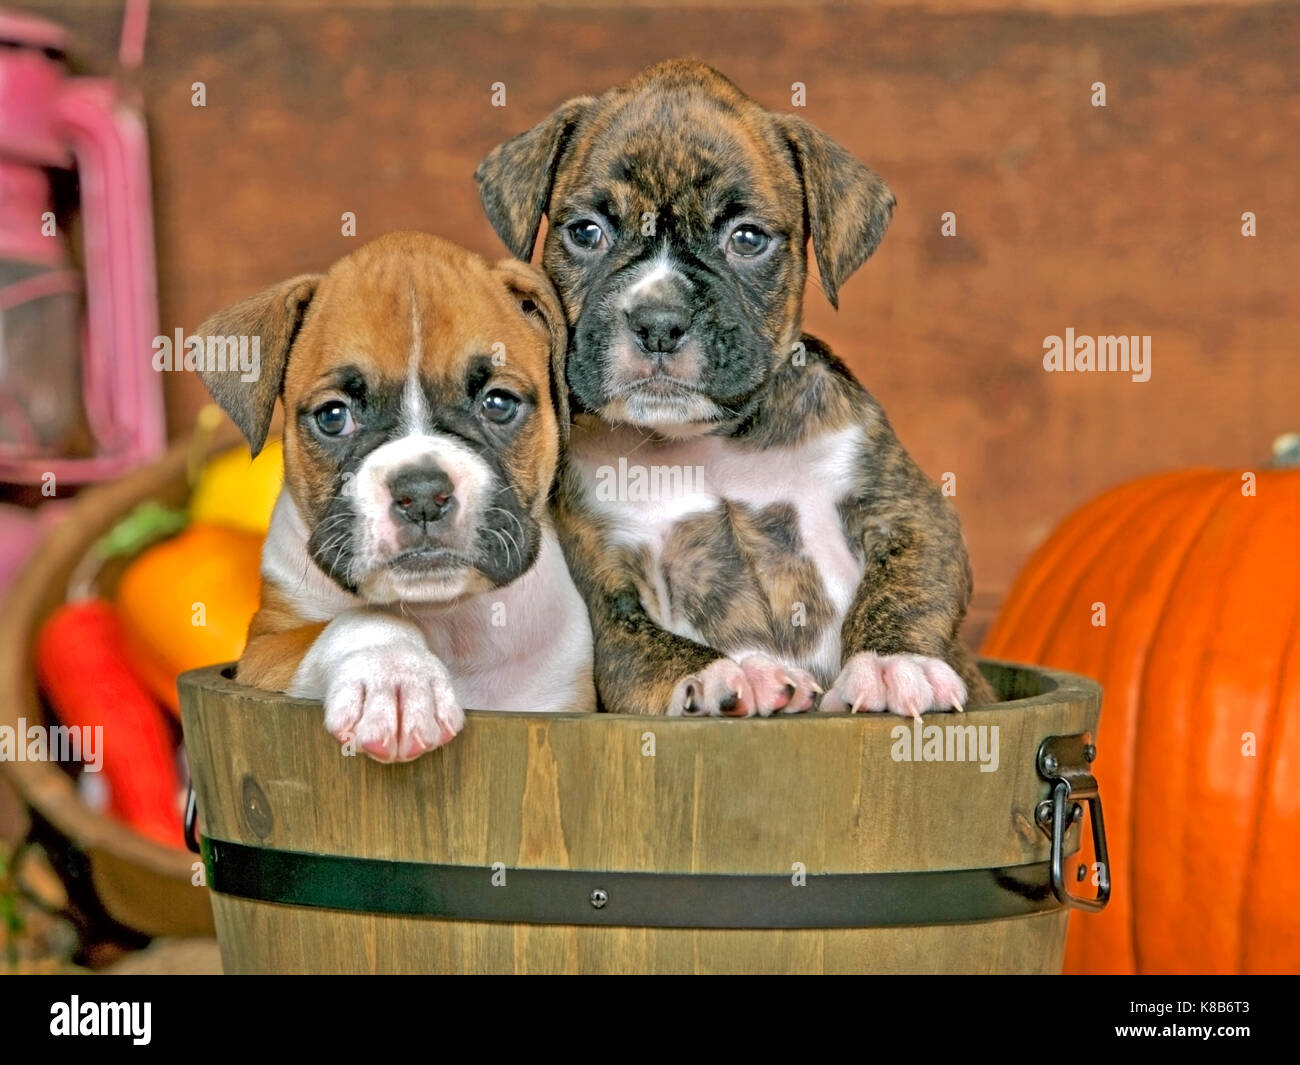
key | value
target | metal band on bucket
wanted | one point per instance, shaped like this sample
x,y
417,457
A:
x,y
635,899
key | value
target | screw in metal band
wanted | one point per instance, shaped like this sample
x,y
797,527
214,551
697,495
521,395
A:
x,y
598,897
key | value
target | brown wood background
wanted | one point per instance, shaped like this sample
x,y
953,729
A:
x,y
1117,220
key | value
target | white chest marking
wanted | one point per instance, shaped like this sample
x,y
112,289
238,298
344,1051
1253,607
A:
x,y
644,488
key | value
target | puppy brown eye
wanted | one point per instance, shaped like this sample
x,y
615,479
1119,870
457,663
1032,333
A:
x,y
500,407
748,241
334,419
586,235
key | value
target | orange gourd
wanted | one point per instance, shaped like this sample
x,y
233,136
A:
x,y
187,602
1180,593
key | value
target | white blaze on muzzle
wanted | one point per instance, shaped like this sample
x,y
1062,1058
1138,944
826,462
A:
x,y
627,367
657,279
377,533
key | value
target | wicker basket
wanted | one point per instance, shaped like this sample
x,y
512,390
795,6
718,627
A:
x,y
140,883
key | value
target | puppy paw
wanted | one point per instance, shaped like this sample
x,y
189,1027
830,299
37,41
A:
x,y
754,685
777,687
904,684
396,703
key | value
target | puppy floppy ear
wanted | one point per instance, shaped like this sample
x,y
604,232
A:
x,y
539,303
848,204
515,178
274,316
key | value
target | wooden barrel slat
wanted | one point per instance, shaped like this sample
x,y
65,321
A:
x,y
259,937
817,789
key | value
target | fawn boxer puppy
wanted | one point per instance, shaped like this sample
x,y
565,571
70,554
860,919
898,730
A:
x,y
411,568
742,521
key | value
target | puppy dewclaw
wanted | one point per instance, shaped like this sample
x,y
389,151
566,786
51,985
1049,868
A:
x,y
411,569
744,525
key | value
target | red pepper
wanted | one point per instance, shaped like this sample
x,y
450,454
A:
x,y
82,666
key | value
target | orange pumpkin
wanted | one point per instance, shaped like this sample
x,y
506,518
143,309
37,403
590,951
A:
x,y
1180,593
187,602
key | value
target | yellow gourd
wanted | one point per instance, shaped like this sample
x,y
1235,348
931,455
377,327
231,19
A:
x,y
238,490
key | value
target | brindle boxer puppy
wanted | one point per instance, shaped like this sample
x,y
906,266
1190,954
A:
x,y
411,567
736,509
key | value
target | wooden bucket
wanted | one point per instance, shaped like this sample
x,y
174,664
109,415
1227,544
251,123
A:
x,y
607,843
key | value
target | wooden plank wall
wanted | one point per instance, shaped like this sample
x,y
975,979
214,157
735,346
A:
x,y
1117,220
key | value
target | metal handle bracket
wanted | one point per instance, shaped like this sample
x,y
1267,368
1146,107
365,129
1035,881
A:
x,y
1065,762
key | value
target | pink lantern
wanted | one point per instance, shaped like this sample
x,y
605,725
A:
x,y
78,395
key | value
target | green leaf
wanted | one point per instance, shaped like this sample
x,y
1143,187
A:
x,y
148,523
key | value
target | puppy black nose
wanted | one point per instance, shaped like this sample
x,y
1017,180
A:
x,y
421,494
659,327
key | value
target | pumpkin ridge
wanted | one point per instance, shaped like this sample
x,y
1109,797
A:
x,y
1290,661
1114,531
1200,667
1038,571
1128,656
1266,780
1122,573
1005,638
